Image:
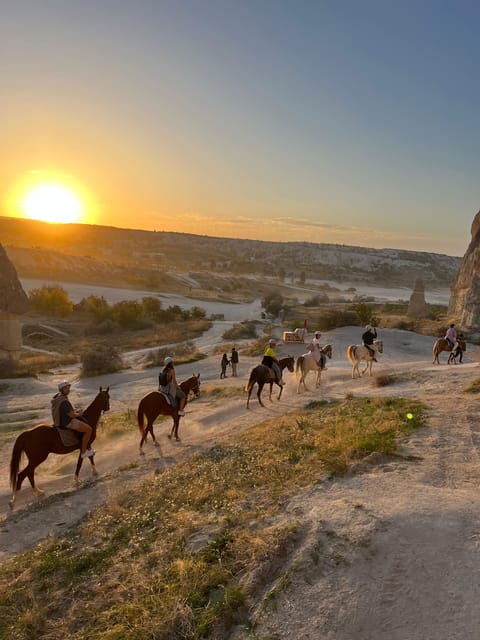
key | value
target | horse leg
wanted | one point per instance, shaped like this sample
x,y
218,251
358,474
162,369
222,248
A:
x,y
149,430
176,423
94,468
260,387
280,392
271,390
76,479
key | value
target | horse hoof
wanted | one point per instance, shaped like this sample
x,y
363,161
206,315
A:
x,y
141,452
156,444
94,472
39,492
76,481
177,439
169,437
11,503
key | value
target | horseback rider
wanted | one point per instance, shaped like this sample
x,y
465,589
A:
x,y
167,383
65,417
270,360
368,338
451,337
315,349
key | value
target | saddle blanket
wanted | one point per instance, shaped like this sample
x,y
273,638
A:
x,y
69,437
168,398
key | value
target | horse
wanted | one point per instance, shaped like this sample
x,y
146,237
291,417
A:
x,y
442,345
357,353
308,363
262,375
154,404
38,442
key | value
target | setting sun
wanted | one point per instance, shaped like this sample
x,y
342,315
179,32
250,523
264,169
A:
x,y
52,203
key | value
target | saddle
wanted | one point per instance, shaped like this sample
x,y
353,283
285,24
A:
x,y
69,437
170,400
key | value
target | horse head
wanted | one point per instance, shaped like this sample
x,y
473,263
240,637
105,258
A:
x,y
378,345
289,363
327,350
192,384
104,398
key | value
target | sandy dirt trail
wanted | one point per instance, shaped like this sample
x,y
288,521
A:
x,y
390,551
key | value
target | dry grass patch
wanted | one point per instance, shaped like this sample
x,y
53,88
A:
x,y
383,379
473,387
128,571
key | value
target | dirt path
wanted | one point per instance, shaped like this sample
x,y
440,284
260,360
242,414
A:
x,y
390,551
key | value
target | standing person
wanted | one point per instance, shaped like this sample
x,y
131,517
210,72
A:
x,y
368,338
271,361
167,383
224,364
234,362
64,416
451,337
315,349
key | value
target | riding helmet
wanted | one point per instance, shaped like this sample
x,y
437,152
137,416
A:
x,y
168,360
63,384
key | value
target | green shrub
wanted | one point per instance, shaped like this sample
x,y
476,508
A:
x,y
104,359
240,330
51,301
333,318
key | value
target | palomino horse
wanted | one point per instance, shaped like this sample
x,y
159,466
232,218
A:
x,y
37,443
357,353
262,375
308,363
154,404
442,345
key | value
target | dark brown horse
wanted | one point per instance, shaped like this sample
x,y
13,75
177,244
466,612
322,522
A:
x,y
442,345
37,443
154,404
262,375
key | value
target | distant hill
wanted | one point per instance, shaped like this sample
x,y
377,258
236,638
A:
x,y
173,261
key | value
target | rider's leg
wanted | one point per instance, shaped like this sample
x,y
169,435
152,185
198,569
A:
x,y
182,401
278,374
86,431
323,360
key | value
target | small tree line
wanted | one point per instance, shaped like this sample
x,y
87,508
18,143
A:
x,y
53,300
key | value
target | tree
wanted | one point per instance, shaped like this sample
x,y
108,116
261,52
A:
x,y
51,301
365,314
97,307
272,303
127,313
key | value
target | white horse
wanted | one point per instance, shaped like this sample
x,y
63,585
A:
x,y
357,353
308,363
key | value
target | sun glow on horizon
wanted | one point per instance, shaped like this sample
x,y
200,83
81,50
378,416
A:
x,y
52,203
51,197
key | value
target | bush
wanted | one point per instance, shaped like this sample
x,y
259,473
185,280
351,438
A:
x,y
51,301
127,313
365,314
316,301
96,307
108,326
273,303
240,330
104,359
333,318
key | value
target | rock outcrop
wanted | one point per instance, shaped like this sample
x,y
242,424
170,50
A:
x,y
13,303
464,306
417,307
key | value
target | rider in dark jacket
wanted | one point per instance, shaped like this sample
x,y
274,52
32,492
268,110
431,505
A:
x,y
368,338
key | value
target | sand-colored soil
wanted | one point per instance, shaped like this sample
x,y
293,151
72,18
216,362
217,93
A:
x,y
390,551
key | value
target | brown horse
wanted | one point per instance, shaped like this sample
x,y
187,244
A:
x,y
442,345
154,404
262,375
37,443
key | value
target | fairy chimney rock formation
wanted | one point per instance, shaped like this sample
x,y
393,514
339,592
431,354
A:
x,y
417,307
464,307
13,303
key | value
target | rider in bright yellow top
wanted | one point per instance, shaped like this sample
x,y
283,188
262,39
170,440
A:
x,y
270,360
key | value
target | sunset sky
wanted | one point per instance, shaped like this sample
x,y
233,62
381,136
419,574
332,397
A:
x,y
345,121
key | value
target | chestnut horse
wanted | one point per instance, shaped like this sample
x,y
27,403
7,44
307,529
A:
x,y
308,363
442,345
154,404
262,375
38,442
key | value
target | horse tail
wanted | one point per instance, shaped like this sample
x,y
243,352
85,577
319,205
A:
x,y
18,449
140,415
351,353
298,365
251,381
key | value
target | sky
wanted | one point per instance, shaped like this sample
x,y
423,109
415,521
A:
x,y
343,121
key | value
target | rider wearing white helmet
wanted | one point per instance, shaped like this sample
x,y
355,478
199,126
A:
x,y
64,416
270,360
167,383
